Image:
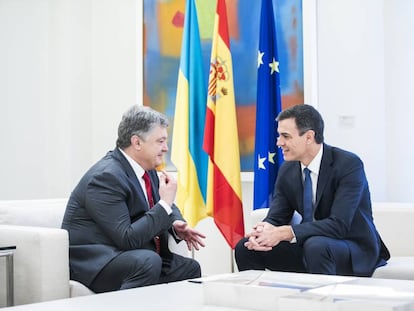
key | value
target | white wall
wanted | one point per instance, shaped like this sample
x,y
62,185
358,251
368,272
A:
x,y
68,69
399,109
365,79
351,86
116,67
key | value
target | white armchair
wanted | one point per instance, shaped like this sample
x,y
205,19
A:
x,y
41,263
41,258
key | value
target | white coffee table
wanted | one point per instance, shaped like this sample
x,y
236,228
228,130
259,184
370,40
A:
x,y
189,295
183,296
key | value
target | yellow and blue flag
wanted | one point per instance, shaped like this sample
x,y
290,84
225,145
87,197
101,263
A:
x,y
268,157
187,152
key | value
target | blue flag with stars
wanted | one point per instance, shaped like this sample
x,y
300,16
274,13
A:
x,y
267,156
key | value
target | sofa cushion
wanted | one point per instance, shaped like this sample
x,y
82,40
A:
x,y
38,213
396,268
78,289
394,222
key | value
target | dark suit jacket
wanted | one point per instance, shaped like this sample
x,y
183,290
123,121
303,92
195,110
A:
x,y
107,213
342,207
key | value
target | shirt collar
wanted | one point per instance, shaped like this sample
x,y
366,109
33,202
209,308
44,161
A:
x,y
315,164
138,170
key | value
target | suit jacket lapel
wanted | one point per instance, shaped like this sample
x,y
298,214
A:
x,y
129,172
154,184
325,172
124,162
296,179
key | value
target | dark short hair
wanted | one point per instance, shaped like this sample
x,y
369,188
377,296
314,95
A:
x,y
138,120
306,118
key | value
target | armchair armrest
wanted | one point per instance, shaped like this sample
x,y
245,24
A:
x,y
178,248
41,262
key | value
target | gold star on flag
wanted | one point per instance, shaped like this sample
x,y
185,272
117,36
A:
x,y
259,58
261,162
274,66
271,157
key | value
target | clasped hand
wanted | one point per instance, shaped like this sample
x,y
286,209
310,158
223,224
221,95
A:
x,y
192,237
265,236
167,188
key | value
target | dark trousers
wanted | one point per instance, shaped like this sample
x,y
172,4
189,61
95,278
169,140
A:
x,y
317,255
142,267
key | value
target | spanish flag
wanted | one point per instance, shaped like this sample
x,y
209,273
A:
x,y
187,152
224,199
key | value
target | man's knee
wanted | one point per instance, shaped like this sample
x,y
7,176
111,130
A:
x,y
194,269
324,245
240,248
315,248
150,264
245,258
326,255
144,269
315,244
129,269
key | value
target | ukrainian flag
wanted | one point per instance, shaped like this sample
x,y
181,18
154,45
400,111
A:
x,y
187,141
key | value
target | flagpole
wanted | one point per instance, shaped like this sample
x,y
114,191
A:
x,y
232,260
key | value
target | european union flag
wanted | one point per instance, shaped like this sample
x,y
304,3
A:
x,y
267,156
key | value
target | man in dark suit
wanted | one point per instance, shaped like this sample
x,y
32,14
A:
x,y
118,222
338,235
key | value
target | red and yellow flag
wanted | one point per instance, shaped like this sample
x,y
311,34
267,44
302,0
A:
x,y
221,142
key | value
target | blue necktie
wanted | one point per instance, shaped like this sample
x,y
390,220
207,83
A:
x,y
307,196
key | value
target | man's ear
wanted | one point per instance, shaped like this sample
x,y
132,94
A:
x,y
310,136
136,142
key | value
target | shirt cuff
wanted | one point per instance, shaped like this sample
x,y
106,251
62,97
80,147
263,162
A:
x,y
175,233
166,207
294,236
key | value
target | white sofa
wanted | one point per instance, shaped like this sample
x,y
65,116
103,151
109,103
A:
x,y
395,223
41,258
42,264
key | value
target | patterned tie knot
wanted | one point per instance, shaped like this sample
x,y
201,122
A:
x,y
146,177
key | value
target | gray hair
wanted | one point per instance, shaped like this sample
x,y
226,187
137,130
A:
x,y
138,120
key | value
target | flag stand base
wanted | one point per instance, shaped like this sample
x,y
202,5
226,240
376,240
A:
x,y
232,260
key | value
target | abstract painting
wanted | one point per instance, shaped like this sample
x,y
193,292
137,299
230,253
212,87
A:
x,y
163,28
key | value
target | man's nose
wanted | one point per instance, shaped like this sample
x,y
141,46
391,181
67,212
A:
x,y
279,141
